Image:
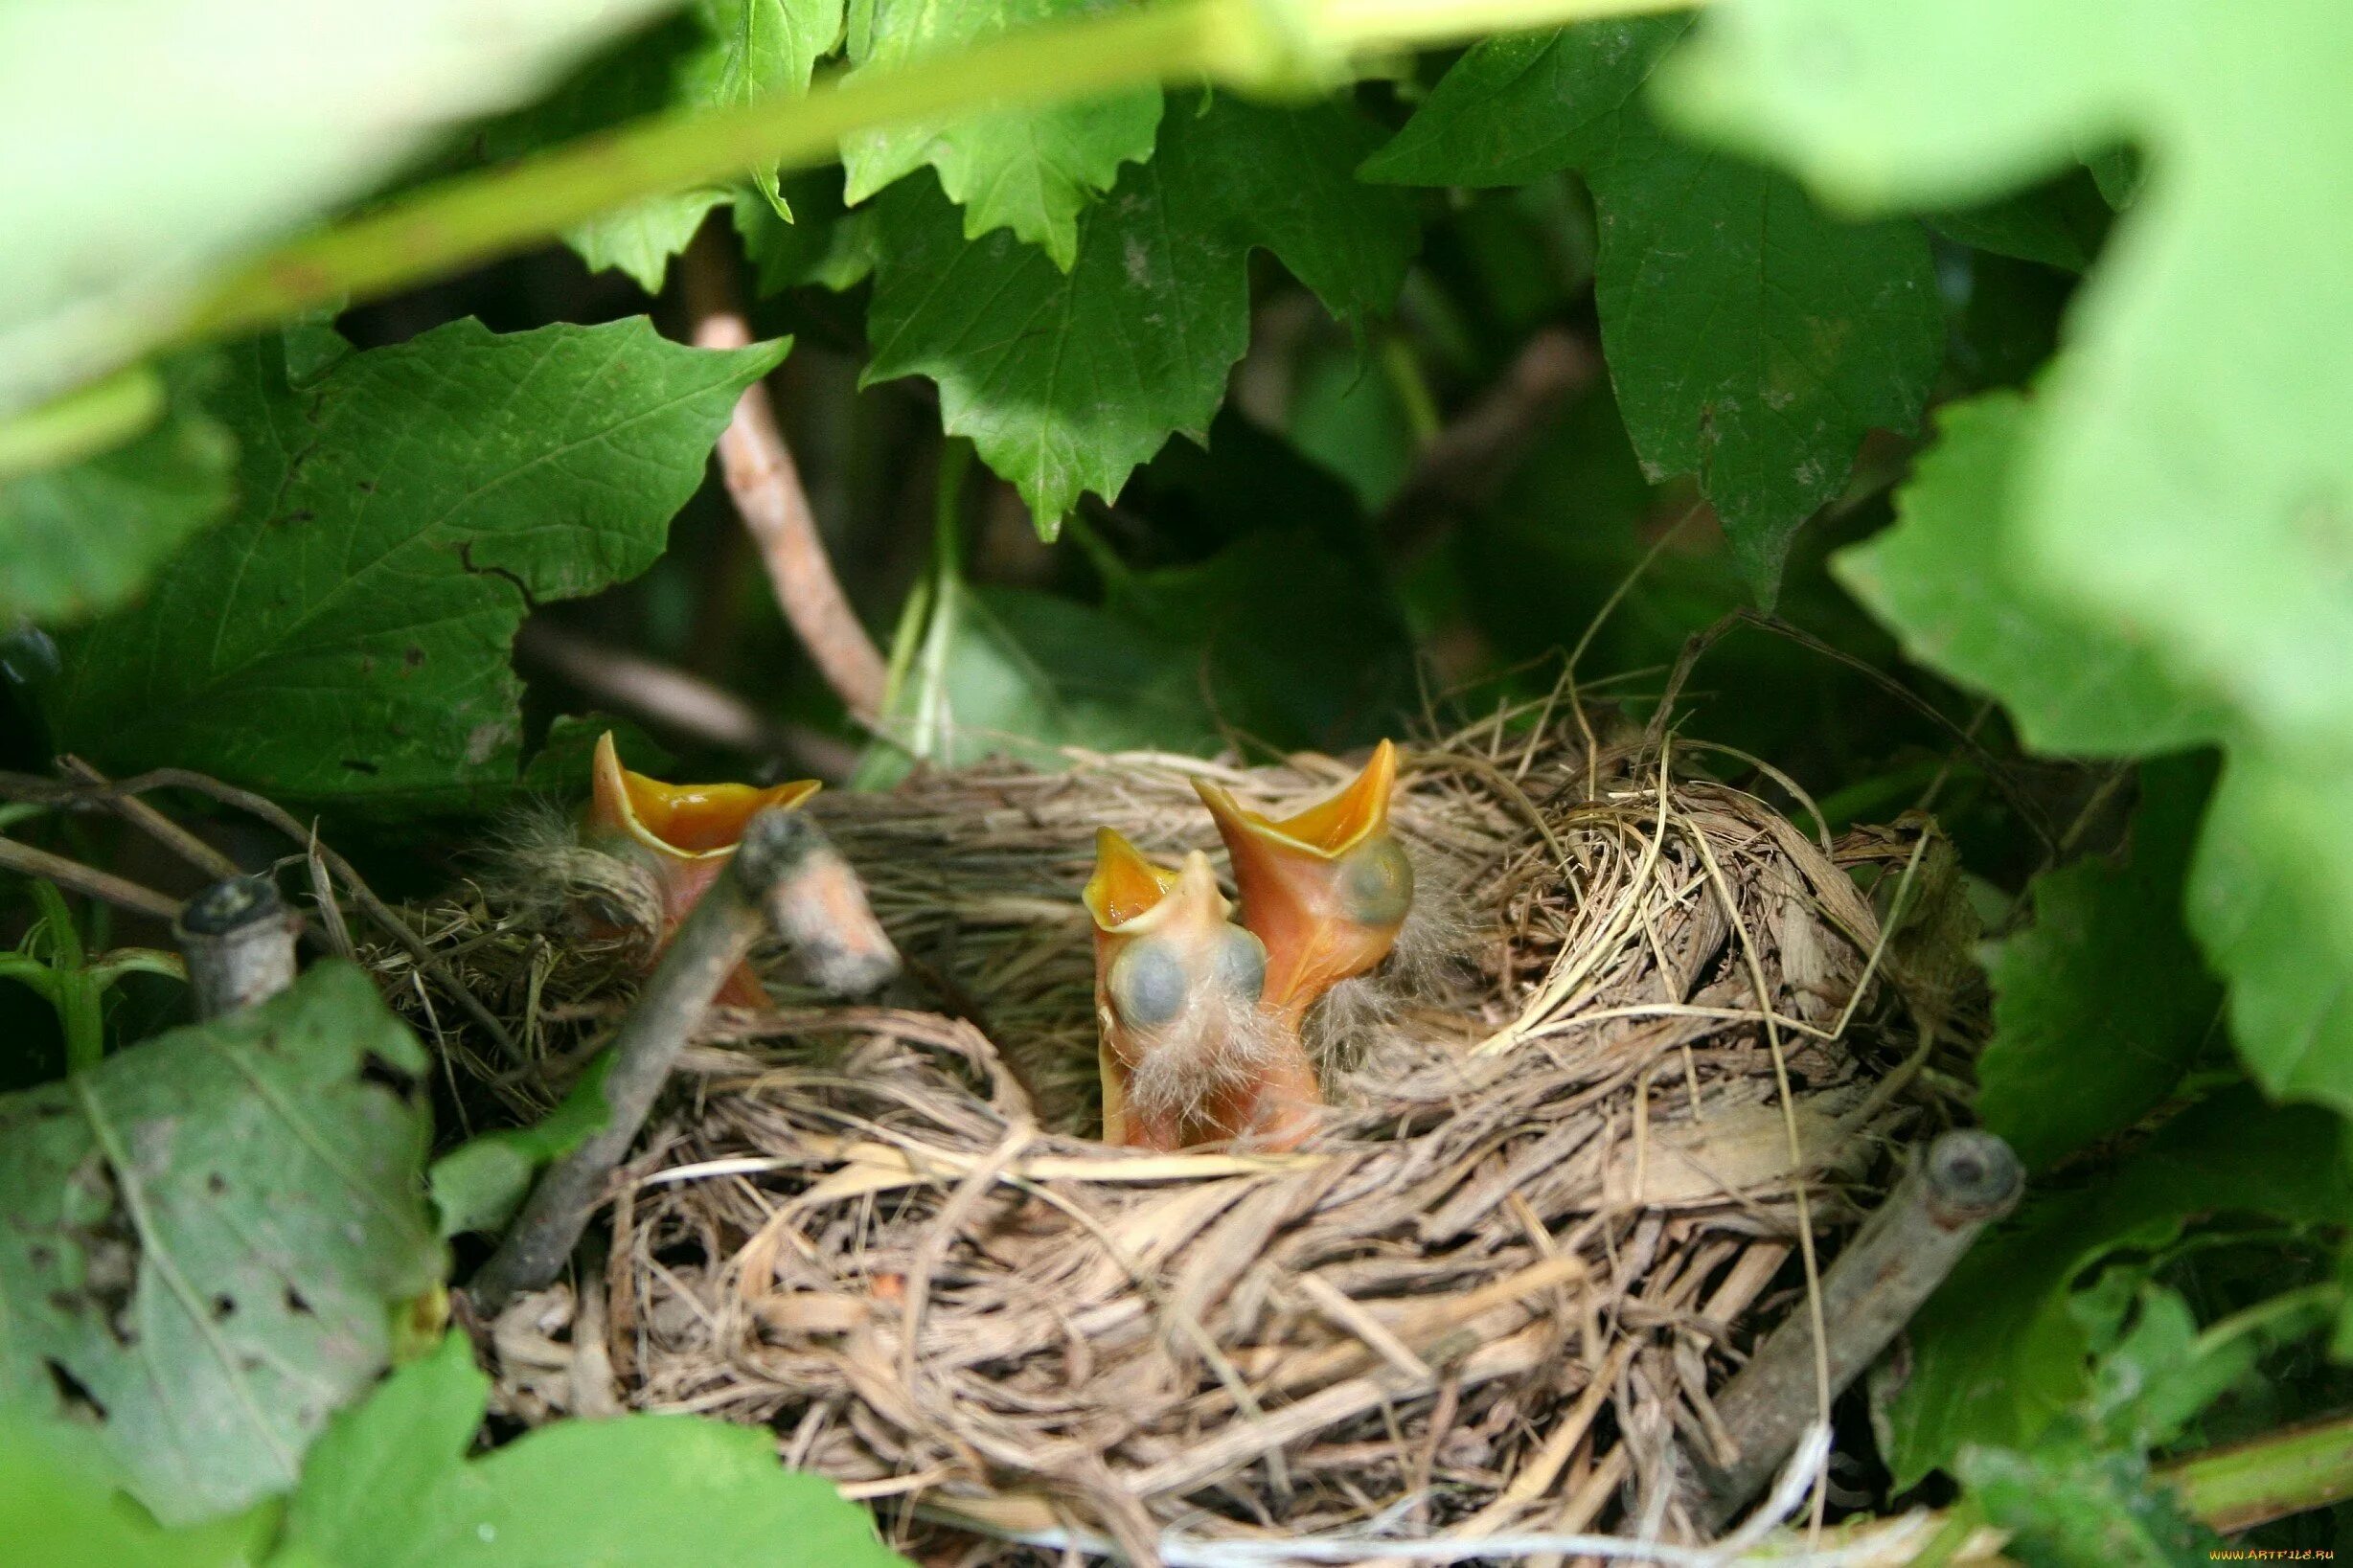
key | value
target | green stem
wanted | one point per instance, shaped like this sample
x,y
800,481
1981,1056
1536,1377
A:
x,y
81,1002
1261,45
2289,1471
65,951
67,429
475,218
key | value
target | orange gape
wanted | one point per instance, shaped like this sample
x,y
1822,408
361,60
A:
x,y
683,834
1325,890
1188,1055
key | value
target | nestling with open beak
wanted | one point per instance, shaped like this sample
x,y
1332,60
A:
x,y
675,839
1188,1055
1325,890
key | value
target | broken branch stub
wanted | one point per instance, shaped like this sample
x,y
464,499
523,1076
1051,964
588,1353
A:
x,y
784,876
238,939
1967,1180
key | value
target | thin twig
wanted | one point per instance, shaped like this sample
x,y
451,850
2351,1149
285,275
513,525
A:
x,y
25,786
88,880
672,700
153,822
766,486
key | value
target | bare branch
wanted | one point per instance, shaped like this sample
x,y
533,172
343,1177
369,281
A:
x,y
784,876
669,700
1902,1253
767,487
1465,463
88,880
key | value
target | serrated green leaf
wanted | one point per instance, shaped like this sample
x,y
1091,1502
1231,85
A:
x,y
1943,579
2100,1005
764,48
640,239
1751,340
1067,381
95,101
344,633
201,1238
1996,1355
82,539
390,1486
1030,170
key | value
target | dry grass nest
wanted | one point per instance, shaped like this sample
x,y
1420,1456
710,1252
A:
x,y
1553,1202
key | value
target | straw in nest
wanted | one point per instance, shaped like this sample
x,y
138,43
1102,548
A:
x,y
1493,1294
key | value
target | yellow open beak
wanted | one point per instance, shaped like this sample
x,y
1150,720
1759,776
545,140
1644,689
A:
x,y
684,834
1174,978
1326,889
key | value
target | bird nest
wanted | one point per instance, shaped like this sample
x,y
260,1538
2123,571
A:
x,y
1559,1192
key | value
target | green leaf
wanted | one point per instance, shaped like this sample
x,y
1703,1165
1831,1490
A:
x,y
1067,381
2101,1004
480,1184
764,48
2061,224
639,239
2190,477
2271,902
82,539
390,1486
1944,579
2069,1505
1997,1356
1010,672
1030,170
344,633
1752,341
824,245
201,1238
102,102
58,1508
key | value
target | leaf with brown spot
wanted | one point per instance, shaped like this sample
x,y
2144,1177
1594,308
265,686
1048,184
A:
x,y
201,1240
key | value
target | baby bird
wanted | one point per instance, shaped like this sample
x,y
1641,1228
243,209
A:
x,y
1188,1055
1325,890
675,839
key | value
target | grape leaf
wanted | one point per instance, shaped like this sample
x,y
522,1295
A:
x,y
1944,579
1997,1356
1032,170
390,1486
344,633
83,538
2100,1005
1751,340
1067,381
2272,901
201,1238
84,281
2190,476
639,239
762,48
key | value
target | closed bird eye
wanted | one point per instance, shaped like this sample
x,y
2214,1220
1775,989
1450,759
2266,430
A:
x,y
1146,983
1242,964
1377,884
